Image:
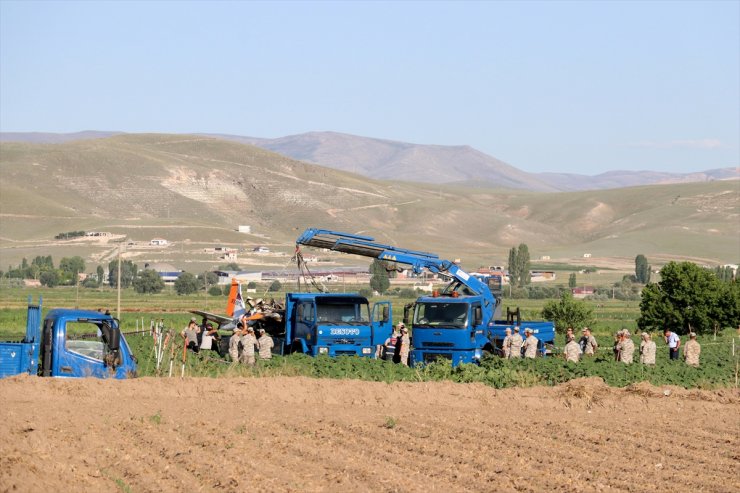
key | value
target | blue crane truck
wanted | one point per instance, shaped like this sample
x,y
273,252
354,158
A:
x,y
459,323
69,343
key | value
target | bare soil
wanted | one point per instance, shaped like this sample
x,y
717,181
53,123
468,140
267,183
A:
x,y
301,434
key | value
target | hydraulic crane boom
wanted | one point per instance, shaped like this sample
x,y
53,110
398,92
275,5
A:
x,y
365,246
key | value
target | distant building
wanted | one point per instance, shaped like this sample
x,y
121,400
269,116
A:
x,y
542,275
586,255
158,242
97,233
168,273
244,229
545,257
261,249
583,292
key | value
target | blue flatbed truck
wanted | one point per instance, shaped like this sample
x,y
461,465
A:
x,y
69,343
460,322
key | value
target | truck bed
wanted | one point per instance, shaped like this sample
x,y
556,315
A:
x,y
16,358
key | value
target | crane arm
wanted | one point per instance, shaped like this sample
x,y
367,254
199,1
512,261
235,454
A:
x,y
367,247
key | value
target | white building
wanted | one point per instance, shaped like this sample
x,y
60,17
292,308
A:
x,y
244,229
158,242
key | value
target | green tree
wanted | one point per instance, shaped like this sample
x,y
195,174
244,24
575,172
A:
x,y
572,280
275,286
149,282
523,265
128,273
90,282
207,279
50,278
215,291
642,269
513,267
186,284
687,297
70,267
251,285
568,312
379,277
101,274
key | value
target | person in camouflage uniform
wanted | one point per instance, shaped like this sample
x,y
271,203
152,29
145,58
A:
x,y
515,344
572,350
234,342
616,347
589,345
506,345
626,348
647,349
692,350
265,344
530,344
405,345
248,343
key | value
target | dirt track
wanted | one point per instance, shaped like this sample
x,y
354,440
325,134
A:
x,y
300,434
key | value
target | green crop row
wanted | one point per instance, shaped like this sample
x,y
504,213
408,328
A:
x,y
718,368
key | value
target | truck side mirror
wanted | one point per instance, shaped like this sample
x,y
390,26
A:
x,y
385,313
477,316
407,313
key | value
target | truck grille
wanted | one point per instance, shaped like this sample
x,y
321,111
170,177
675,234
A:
x,y
437,344
342,341
344,353
431,357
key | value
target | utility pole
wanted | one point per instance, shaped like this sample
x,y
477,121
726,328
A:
x,y
118,307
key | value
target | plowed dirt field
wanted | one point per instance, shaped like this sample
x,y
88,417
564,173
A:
x,y
300,434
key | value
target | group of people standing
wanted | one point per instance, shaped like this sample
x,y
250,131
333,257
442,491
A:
x,y
624,347
396,347
514,345
244,345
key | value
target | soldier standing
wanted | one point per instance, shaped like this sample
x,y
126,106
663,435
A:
x,y
515,344
234,342
405,346
265,344
530,344
506,345
692,350
647,349
626,348
589,344
572,350
617,346
248,343
391,345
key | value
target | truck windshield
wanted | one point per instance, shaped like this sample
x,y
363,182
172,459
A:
x,y
441,314
349,313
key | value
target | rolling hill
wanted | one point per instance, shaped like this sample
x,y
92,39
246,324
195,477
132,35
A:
x,y
195,191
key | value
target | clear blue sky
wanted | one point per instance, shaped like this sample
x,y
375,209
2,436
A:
x,y
579,87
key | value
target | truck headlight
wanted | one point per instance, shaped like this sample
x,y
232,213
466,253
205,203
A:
x,y
323,350
478,354
367,350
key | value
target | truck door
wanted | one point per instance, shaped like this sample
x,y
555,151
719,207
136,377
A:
x,y
382,322
304,333
80,349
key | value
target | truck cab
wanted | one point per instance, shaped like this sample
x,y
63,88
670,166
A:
x,y
69,343
80,343
446,327
334,324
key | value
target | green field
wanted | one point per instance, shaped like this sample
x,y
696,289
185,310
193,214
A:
x,y
719,367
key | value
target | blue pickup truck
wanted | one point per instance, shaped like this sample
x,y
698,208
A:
x,y
69,343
